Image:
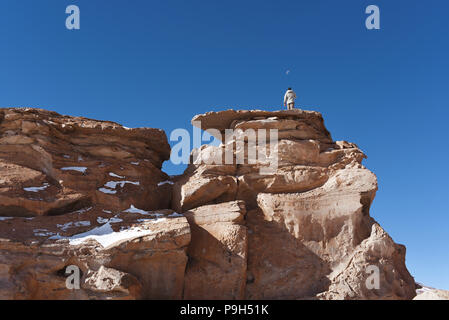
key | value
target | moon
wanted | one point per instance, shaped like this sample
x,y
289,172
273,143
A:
x,y
287,72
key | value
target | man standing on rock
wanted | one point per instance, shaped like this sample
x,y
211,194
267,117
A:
x,y
289,99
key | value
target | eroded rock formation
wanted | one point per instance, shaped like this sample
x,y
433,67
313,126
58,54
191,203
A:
x,y
79,192
309,232
91,194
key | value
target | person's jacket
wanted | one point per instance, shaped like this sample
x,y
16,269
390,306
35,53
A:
x,y
289,97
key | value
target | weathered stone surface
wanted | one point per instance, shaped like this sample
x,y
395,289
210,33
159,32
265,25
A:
x,y
349,279
111,281
52,164
217,252
199,189
308,124
70,188
149,246
310,235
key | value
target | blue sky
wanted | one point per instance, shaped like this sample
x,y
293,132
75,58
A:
x,y
158,63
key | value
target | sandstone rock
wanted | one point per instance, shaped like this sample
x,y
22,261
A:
x,y
52,164
146,249
91,194
378,253
69,192
108,280
217,252
196,190
310,235
427,293
309,125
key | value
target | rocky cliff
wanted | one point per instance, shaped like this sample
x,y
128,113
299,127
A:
x,y
76,192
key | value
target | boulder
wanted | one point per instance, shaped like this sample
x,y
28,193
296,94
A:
x,y
217,252
111,281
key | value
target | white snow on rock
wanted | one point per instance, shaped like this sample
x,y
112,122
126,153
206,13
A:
x,y
135,163
79,169
115,175
5,218
73,224
164,182
106,236
84,210
42,232
102,220
151,220
37,189
107,191
111,220
113,184
115,220
133,209
175,215
110,186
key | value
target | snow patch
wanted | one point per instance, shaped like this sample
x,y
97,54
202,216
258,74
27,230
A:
x,y
37,189
113,184
83,210
111,220
110,186
106,236
102,220
79,169
152,220
164,182
133,209
115,175
42,232
107,191
175,214
68,225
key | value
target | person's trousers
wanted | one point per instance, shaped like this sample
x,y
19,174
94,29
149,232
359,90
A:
x,y
291,106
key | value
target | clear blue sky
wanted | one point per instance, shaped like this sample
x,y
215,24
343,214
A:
x,y
158,63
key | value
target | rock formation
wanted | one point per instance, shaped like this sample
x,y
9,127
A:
x,y
79,192
309,233
91,194
428,293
